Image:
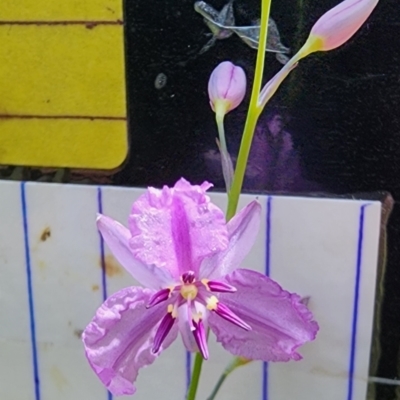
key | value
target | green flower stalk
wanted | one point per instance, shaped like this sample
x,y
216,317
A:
x,y
235,363
252,114
234,193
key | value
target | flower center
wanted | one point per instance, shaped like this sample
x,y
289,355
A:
x,y
199,303
188,277
189,291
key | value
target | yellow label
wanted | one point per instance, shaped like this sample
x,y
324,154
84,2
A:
x,y
62,84
54,10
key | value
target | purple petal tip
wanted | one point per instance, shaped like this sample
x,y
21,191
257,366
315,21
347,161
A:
x,y
201,339
165,326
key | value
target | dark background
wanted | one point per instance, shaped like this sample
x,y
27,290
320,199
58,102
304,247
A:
x,y
344,105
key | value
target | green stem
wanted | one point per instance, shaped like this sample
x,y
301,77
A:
x,y
252,115
194,382
226,161
218,386
231,366
251,121
221,132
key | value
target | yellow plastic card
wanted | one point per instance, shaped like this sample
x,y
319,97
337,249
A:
x,y
62,84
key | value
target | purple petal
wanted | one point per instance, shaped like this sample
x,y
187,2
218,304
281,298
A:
x,y
175,228
242,231
280,322
185,325
117,238
227,82
341,22
184,329
119,339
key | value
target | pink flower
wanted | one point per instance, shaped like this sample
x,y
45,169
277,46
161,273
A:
x,y
179,246
339,24
226,87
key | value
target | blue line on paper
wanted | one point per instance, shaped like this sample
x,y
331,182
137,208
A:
x,y
103,261
267,272
188,370
36,379
355,302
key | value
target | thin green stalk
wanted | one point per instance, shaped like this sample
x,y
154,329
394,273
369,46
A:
x,y
218,386
226,161
194,382
221,133
251,121
252,115
236,362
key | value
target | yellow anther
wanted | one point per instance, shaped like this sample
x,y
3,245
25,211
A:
x,y
189,292
205,283
197,317
173,310
212,303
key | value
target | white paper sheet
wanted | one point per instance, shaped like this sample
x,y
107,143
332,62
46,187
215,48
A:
x,y
52,281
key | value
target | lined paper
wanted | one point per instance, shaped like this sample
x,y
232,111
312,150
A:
x,y
55,272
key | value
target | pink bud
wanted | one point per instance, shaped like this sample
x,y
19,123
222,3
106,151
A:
x,y
226,87
340,23
333,29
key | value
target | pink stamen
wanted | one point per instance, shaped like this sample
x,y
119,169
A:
x,y
221,287
159,297
201,339
224,312
165,326
188,277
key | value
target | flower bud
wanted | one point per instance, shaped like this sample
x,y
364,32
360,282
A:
x,y
226,88
333,29
338,25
